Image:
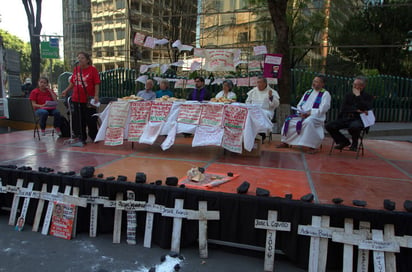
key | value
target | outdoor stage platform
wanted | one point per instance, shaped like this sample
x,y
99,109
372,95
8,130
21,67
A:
x,y
384,172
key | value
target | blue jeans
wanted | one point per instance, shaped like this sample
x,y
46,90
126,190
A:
x,y
43,114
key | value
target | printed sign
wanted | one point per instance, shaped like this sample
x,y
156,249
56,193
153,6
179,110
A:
x,y
159,111
235,116
219,60
189,114
114,136
232,139
273,66
212,115
139,39
62,220
118,114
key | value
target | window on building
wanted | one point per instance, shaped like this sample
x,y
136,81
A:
x,y
147,9
147,24
242,37
120,34
120,4
109,52
120,50
146,55
97,37
109,35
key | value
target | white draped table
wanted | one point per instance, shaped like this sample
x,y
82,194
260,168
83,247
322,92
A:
x,y
255,122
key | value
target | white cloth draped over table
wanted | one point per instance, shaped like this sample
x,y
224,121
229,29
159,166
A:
x,y
312,132
256,121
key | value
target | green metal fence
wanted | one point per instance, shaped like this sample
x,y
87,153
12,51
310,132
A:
x,y
392,103
392,95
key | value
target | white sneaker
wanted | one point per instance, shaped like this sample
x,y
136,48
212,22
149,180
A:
x,y
43,133
58,132
78,144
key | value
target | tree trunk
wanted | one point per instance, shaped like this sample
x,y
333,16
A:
x,y
277,9
35,26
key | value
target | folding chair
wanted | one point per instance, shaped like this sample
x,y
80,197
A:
x,y
360,148
36,120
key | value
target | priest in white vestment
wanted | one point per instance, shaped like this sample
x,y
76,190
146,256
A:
x,y
305,128
263,95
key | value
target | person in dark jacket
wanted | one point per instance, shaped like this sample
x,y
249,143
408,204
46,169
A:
x,y
355,102
200,92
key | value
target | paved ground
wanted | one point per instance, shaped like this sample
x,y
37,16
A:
x,y
31,251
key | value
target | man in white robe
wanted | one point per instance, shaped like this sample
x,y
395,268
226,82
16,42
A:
x,y
305,128
263,95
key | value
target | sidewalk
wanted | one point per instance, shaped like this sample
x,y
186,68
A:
x,y
32,251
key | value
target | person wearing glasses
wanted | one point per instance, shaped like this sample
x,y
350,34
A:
x,y
200,92
356,101
305,127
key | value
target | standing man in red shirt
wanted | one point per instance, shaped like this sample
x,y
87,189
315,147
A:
x,y
85,82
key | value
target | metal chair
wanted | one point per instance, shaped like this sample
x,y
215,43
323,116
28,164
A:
x,y
360,148
36,120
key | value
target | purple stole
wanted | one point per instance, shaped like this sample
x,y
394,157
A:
x,y
199,94
316,104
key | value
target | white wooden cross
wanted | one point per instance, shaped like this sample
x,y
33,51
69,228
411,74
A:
x,y
350,238
64,198
203,215
94,200
151,208
3,189
363,254
54,196
320,232
131,206
271,225
385,246
27,193
379,247
117,228
39,210
16,199
178,213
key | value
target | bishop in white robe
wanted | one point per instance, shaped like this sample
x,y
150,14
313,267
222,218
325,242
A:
x,y
306,127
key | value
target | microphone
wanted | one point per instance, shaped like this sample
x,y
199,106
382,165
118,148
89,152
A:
x,y
76,62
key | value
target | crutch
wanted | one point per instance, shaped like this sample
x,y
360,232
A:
x,y
71,140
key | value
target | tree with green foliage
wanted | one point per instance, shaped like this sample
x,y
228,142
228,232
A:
x,y
374,38
35,26
295,24
13,42
23,48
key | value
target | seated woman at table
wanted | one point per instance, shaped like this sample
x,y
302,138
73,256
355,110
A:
x,y
164,89
226,92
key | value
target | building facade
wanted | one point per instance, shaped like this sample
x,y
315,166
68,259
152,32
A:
x,y
77,29
106,28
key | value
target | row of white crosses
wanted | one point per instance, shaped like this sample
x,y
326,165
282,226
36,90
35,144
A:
x,y
384,244
28,193
131,206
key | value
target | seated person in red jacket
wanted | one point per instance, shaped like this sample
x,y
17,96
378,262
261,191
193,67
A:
x,y
44,102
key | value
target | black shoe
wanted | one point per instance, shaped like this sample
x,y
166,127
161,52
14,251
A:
x,y
353,148
341,146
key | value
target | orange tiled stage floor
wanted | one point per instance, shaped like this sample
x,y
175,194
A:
x,y
384,172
